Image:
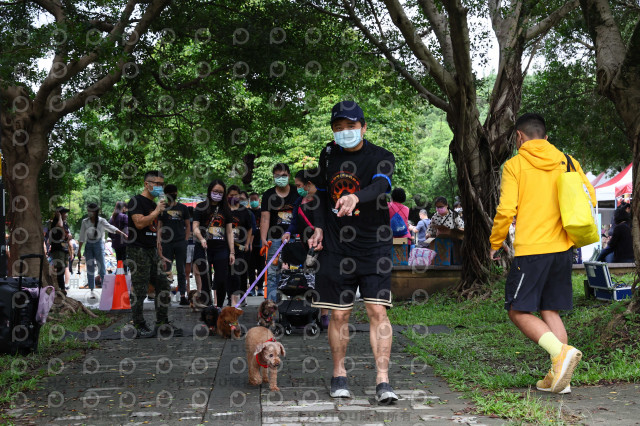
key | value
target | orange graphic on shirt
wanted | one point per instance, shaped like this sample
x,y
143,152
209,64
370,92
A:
x,y
343,183
216,227
154,225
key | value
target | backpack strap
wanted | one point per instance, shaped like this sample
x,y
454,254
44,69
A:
x,y
304,216
570,164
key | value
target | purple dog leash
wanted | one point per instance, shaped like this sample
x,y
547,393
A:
x,y
261,274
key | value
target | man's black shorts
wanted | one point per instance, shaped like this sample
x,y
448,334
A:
x,y
339,277
540,282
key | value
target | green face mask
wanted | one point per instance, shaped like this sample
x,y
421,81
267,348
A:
x,y
282,181
254,204
302,192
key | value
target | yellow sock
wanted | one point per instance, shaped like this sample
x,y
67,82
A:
x,y
550,343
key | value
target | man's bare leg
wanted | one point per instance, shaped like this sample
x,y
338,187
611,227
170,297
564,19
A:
x,y
339,340
530,325
555,324
380,336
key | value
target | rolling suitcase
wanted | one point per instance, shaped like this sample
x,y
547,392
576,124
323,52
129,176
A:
x,y
19,299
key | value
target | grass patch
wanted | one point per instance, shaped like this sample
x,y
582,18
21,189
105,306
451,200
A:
x,y
22,373
486,355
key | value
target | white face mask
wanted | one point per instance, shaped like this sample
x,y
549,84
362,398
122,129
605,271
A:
x,y
349,138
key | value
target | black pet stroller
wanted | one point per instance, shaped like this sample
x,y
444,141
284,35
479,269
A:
x,y
297,283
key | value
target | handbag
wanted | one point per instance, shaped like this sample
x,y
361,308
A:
x,y
575,208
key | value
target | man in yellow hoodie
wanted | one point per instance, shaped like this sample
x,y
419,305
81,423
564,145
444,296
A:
x,y
540,275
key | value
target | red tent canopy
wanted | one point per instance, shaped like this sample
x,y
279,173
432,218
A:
x,y
626,188
617,178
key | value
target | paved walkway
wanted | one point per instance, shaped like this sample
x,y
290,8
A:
x,y
194,380
203,380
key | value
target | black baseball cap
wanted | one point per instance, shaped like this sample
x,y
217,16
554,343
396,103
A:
x,y
62,209
347,109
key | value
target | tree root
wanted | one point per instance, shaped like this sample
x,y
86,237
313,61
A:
x,y
617,334
64,306
471,290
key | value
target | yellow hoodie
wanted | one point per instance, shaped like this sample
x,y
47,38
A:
x,y
529,192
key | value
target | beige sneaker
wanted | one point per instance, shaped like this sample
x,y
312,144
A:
x,y
544,385
563,366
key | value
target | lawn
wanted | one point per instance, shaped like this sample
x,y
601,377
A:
x,y
489,360
22,373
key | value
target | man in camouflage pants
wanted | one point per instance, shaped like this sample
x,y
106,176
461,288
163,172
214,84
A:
x,y
144,262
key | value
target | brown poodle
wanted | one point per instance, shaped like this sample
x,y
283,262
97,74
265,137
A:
x,y
263,353
228,322
267,313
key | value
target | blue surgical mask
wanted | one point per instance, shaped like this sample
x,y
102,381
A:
x,y
254,204
302,192
348,138
244,203
282,181
157,191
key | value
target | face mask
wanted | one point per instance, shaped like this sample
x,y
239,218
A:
x,y
233,200
282,181
348,138
157,191
254,204
216,196
244,203
302,192
441,210
458,210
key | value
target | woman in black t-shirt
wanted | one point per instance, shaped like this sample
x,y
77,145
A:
x,y
302,224
242,231
213,229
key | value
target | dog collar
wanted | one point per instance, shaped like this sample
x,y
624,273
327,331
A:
x,y
258,361
258,355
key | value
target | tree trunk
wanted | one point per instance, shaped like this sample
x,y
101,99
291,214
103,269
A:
x,y
24,146
478,185
618,76
625,93
479,151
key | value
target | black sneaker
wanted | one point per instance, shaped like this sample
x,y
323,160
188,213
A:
x,y
168,330
143,331
385,393
339,387
184,301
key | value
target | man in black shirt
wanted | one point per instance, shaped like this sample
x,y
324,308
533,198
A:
x,y
275,218
242,234
355,237
59,237
256,261
146,265
175,232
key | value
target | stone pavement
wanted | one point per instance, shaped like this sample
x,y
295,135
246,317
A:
x,y
195,380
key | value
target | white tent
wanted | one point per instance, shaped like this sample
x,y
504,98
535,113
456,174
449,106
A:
x,y
607,190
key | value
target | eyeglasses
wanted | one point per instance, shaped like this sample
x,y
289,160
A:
x,y
217,192
155,183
